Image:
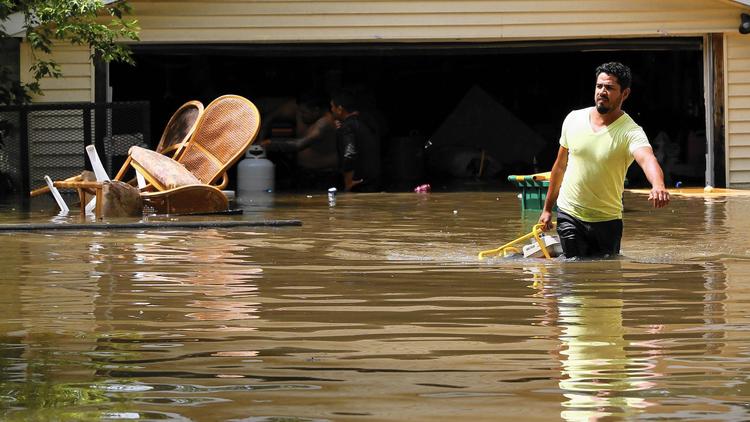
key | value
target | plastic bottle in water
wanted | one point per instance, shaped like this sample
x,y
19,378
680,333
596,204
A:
x,y
332,197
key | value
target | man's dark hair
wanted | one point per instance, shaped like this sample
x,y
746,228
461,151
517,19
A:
x,y
345,98
619,70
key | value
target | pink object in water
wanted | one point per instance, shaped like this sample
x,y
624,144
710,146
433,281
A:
x,y
422,188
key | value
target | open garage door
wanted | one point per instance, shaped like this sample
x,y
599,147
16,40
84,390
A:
x,y
418,87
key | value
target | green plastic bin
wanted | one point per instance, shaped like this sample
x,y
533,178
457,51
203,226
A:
x,y
533,191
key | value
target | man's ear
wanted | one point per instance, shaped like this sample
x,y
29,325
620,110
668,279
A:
x,y
625,93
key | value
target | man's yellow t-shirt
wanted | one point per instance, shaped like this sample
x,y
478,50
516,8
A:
x,y
592,187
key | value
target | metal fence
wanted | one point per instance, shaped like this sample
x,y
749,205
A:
x,y
49,139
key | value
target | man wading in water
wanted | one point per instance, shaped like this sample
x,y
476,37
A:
x,y
597,145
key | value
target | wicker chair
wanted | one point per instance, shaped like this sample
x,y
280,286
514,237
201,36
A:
x,y
176,133
225,130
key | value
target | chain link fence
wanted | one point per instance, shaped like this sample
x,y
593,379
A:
x,y
49,139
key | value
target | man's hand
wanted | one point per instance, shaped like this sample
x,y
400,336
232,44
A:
x,y
659,197
546,220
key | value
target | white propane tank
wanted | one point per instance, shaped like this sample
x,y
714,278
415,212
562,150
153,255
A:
x,y
255,177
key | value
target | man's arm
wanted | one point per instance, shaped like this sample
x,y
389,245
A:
x,y
555,180
314,133
645,158
285,111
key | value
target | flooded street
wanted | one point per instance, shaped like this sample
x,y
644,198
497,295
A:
x,y
378,309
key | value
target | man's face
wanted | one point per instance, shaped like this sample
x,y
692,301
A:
x,y
337,111
608,95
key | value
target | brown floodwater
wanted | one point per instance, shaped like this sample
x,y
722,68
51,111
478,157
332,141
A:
x,y
378,309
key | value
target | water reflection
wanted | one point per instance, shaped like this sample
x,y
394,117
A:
x,y
91,314
597,373
618,345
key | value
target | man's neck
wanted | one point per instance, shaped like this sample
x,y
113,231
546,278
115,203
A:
x,y
599,120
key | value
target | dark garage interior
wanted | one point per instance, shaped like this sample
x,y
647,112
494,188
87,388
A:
x,y
417,88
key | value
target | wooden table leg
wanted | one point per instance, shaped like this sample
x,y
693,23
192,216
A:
x,y
82,198
98,207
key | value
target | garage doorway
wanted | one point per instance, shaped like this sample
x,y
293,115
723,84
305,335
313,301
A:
x,y
417,87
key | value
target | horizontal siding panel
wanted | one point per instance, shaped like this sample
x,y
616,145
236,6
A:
x,y
738,101
739,164
626,29
739,51
739,90
703,18
739,64
408,33
738,115
78,69
739,177
739,127
68,57
742,152
66,82
739,140
219,8
738,77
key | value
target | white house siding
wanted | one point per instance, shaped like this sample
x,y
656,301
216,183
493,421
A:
x,y
383,20
738,110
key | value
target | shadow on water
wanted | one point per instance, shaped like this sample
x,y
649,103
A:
x,y
377,309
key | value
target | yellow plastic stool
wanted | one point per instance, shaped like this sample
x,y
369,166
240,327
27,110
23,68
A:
x,y
508,248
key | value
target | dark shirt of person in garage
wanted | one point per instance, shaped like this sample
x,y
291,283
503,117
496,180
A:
x,y
358,144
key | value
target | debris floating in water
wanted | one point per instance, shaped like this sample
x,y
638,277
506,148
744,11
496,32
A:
x,y
423,188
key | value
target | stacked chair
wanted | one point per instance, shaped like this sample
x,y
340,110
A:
x,y
193,182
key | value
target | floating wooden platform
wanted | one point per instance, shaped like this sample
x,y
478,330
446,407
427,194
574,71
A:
x,y
699,192
25,227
